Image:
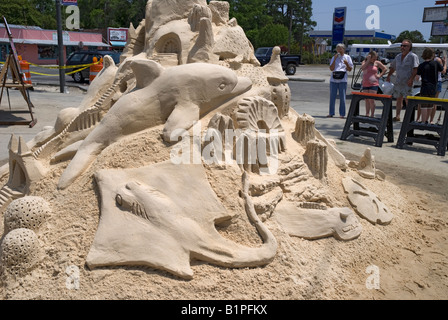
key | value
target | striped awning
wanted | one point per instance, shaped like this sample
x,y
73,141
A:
x,y
55,42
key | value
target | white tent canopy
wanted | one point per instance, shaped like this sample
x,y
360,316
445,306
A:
x,y
440,46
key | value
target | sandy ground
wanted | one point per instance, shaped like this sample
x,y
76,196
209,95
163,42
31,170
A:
x,y
408,257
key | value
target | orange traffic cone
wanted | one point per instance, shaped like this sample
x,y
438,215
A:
x,y
25,67
95,68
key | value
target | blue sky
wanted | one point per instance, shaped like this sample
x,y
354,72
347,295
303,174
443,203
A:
x,y
395,15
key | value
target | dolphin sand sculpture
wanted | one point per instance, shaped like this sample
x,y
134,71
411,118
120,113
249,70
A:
x,y
177,96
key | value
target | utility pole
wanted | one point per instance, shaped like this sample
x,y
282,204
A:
x,y
290,32
290,12
444,2
302,19
60,47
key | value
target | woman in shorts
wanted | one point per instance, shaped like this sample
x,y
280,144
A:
x,y
372,71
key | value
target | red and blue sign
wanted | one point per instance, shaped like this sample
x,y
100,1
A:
x,y
339,18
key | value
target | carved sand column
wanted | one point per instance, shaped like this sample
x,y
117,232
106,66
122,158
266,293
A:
x,y
316,157
305,129
218,144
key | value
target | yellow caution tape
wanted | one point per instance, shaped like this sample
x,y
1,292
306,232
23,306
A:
x,y
427,98
71,72
65,67
84,66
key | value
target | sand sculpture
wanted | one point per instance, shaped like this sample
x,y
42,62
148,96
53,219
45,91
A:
x,y
187,135
28,212
366,203
366,166
148,220
315,222
20,248
20,252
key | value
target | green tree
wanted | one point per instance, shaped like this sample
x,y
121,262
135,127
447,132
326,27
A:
x,y
296,15
414,36
47,9
264,21
272,35
100,14
304,12
94,14
39,13
252,15
438,39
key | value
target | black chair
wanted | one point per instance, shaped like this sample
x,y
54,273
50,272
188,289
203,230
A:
x,y
407,134
382,126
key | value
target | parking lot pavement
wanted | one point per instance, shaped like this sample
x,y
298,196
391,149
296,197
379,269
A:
x,y
44,76
47,101
311,73
308,95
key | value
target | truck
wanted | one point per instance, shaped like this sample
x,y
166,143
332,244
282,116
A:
x,y
290,62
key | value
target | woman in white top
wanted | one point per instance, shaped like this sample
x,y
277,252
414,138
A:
x,y
340,64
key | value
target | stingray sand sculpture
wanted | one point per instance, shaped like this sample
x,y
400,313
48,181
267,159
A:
x,y
188,81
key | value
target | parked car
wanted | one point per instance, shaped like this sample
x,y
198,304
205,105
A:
x,y
383,60
361,57
86,57
290,62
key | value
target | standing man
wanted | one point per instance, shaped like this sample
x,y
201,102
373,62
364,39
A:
x,y
405,64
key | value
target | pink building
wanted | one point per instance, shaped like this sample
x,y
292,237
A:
x,y
40,46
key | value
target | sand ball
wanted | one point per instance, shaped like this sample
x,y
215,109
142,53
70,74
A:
x,y
20,251
27,212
